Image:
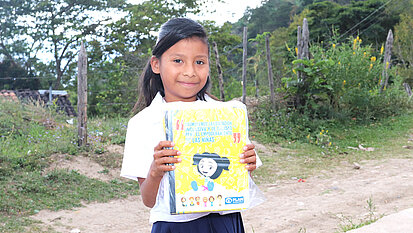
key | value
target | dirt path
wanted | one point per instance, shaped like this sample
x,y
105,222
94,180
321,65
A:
x,y
320,204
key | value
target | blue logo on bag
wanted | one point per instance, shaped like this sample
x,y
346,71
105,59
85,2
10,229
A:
x,y
234,200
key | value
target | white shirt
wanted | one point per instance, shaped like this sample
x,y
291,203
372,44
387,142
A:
x,y
145,131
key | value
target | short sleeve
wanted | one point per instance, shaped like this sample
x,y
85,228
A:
x,y
144,132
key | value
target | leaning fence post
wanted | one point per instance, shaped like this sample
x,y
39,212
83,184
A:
x,y
244,66
82,97
407,89
219,68
386,61
269,69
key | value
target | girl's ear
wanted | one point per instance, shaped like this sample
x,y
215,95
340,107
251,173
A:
x,y
155,65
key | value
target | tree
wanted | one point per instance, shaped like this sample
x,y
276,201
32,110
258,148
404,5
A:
x,y
229,45
368,19
403,45
271,15
54,27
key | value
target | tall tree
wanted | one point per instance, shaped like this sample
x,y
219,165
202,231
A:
x,y
368,19
54,27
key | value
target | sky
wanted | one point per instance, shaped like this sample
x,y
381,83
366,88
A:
x,y
231,10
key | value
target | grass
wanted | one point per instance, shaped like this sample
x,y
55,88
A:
x,y
302,159
349,224
30,134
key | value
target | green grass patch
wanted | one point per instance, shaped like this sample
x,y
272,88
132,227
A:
x,y
285,159
29,135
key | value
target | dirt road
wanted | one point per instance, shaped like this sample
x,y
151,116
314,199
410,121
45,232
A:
x,y
324,203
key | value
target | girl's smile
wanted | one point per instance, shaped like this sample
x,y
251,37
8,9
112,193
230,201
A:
x,y
184,69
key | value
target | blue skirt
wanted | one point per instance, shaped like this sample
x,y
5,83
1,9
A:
x,y
212,223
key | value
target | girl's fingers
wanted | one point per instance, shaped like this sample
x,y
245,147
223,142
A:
x,y
251,167
166,159
251,159
162,145
248,147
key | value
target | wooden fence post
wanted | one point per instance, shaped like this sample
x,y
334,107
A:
x,y
220,78
244,67
298,51
305,54
303,38
269,68
408,89
386,61
82,97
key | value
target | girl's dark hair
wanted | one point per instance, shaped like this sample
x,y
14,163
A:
x,y
171,32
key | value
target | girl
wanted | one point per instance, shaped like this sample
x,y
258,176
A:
x,y
177,71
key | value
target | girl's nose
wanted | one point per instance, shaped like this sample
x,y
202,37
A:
x,y
189,70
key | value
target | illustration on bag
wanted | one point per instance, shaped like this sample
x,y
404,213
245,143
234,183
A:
x,y
210,139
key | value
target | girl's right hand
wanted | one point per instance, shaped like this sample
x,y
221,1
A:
x,y
163,157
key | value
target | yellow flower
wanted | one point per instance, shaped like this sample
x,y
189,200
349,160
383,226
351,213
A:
x,y
371,66
344,82
339,63
373,59
364,54
322,130
387,65
360,41
288,48
326,131
329,144
294,71
334,46
296,51
308,136
321,133
358,38
354,53
381,50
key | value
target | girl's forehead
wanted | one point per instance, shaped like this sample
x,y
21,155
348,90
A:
x,y
188,44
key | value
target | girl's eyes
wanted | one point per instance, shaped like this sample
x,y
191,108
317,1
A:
x,y
181,61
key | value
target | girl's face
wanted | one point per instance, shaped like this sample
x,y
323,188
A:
x,y
184,69
207,166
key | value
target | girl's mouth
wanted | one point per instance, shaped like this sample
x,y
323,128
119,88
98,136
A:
x,y
187,84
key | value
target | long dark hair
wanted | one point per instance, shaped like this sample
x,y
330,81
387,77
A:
x,y
171,32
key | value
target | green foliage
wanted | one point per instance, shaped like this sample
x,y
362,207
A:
x,y
228,46
342,81
324,16
402,43
30,134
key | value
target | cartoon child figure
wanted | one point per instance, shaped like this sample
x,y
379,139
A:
x,y
197,199
183,200
210,166
191,201
219,198
205,199
211,199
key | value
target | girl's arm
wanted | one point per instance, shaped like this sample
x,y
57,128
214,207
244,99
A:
x,y
249,157
162,157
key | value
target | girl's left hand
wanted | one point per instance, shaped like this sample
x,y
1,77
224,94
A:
x,y
249,157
